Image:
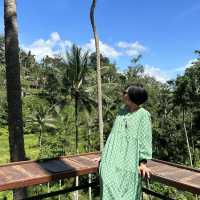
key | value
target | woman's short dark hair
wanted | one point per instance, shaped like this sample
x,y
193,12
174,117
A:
x,y
137,93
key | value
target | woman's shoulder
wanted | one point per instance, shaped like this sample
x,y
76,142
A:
x,y
123,110
144,112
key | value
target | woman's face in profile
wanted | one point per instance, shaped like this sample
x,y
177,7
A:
x,y
125,97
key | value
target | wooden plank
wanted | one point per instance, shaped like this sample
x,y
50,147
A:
x,y
91,156
83,161
28,173
194,180
175,175
56,166
178,174
176,165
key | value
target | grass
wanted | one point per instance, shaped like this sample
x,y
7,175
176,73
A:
x,y
30,140
32,151
4,149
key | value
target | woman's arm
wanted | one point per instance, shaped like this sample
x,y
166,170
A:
x,y
145,138
145,145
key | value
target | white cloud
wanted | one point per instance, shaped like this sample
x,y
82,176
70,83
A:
x,y
164,75
182,69
105,49
51,47
132,49
55,45
55,37
157,73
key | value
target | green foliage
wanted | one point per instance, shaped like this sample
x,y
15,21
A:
x,y
59,104
170,192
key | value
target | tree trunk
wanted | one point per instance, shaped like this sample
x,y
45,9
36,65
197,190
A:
x,y
186,137
77,138
40,142
192,138
15,123
90,188
100,115
76,122
89,149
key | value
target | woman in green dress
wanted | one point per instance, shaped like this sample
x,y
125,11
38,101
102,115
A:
x,y
127,149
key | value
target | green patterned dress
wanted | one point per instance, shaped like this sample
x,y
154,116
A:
x,y
129,142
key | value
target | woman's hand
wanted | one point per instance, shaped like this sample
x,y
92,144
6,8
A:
x,y
96,159
144,170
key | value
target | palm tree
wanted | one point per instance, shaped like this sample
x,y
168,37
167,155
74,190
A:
x,y
182,99
96,38
74,80
41,119
15,123
64,123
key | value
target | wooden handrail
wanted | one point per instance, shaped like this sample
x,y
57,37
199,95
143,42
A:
x,y
28,173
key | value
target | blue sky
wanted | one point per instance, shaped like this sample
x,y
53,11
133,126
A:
x,y
165,32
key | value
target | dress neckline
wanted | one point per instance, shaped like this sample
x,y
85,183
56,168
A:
x,y
129,112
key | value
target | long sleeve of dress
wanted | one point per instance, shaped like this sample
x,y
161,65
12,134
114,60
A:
x,y
145,138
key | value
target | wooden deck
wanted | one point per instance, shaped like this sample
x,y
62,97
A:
x,y
28,173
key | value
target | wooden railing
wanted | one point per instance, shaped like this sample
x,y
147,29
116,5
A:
x,y
28,173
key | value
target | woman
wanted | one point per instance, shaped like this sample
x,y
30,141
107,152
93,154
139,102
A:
x,y
127,149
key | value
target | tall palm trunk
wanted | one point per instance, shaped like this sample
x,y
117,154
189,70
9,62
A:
x,y
40,141
187,141
15,123
77,138
96,38
89,149
76,121
186,137
192,138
